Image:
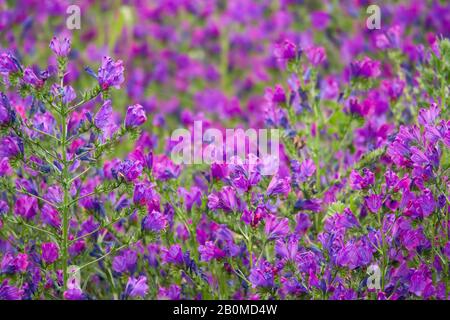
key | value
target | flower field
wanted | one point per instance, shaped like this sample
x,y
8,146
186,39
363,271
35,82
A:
x,y
116,181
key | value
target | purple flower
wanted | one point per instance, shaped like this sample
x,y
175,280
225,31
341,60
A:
x,y
358,182
103,118
253,217
172,293
306,170
354,255
29,77
320,19
303,223
172,255
285,51
61,47
279,186
135,116
50,216
154,222
50,252
373,202
127,260
130,170
365,68
226,200
7,114
316,55
262,275
209,252
74,294
110,74
136,287
276,227
4,208
8,292
10,147
8,63
26,206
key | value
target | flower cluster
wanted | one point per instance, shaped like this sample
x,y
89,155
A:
x,y
358,208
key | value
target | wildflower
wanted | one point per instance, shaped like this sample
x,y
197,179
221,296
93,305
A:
x,y
29,77
61,47
276,228
10,147
103,118
8,292
50,252
173,292
285,51
172,255
316,55
8,64
279,186
373,202
209,252
365,68
7,115
135,116
154,221
130,170
110,74
26,206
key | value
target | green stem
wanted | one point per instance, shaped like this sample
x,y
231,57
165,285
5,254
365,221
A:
x,y
65,208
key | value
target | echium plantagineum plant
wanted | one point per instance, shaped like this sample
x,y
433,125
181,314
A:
x,y
51,204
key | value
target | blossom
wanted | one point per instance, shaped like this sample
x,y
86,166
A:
x,y
276,227
8,63
316,55
373,202
209,252
285,50
50,252
61,47
29,77
103,118
135,116
154,221
110,74
365,68
26,206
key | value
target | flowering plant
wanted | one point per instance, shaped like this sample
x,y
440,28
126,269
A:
x,y
93,206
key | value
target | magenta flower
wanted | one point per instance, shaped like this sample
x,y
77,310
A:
x,y
276,227
10,147
7,114
279,186
316,55
174,254
110,74
320,20
50,252
26,206
8,64
365,68
285,51
136,287
373,202
135,116
61,47
29,77
103,119
154,222
173,292
130,170
209,252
